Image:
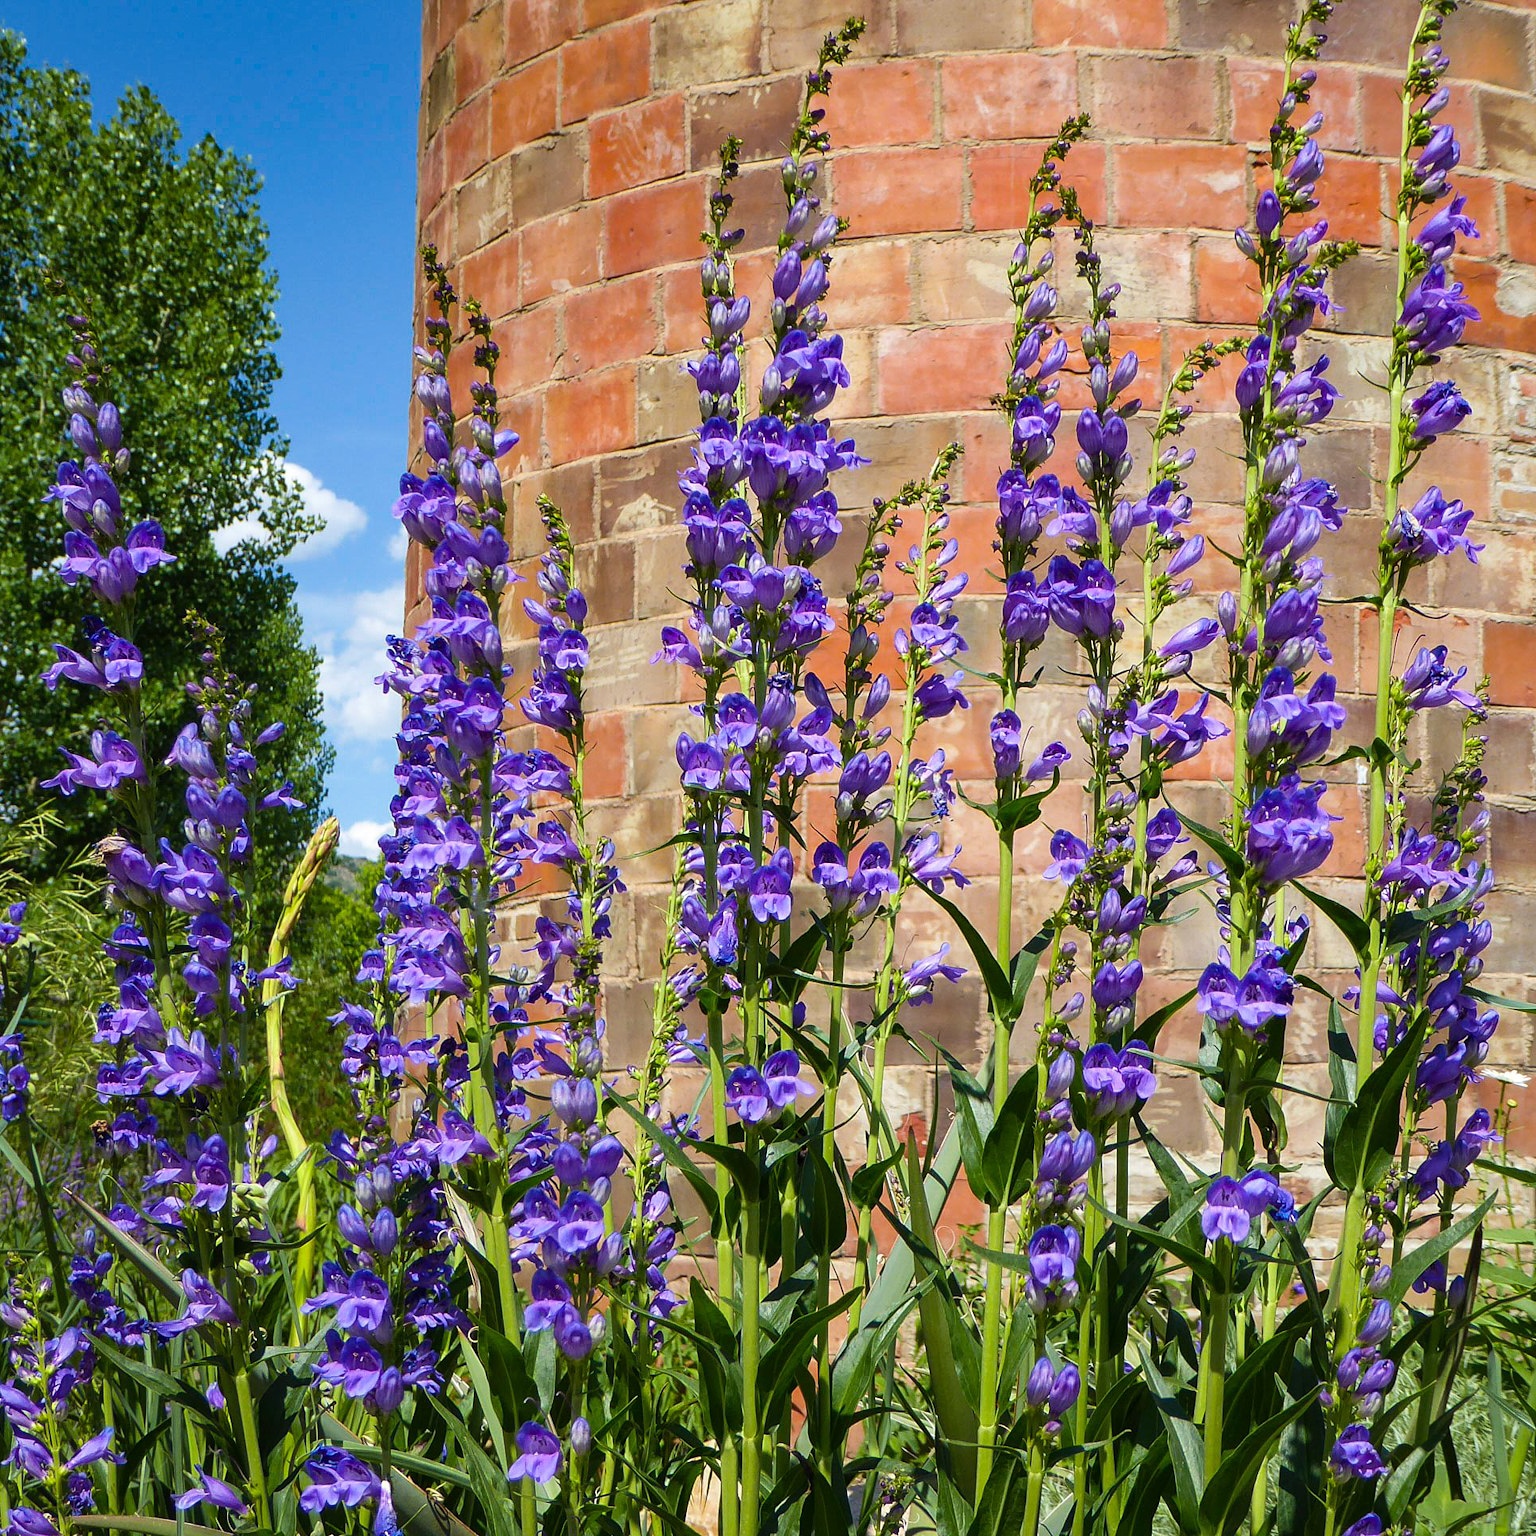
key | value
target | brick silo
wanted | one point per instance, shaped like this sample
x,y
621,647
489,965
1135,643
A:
x,y
566,147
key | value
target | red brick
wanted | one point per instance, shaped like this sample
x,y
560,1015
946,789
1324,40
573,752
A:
x,y
605,69
609,323
477,52
653,227
1000,177
1520,221
1255,86
432,177
598,13
561,252
1015,96
529,349
535,26
1203,184
451,15
524,105
491,276
635,145
941,368
1354,199
871,283
900,191
467,138
591,414
1093,24
1226,289
1507,320
887,103
1381,117
1492,45
682,309
607,749
1140,98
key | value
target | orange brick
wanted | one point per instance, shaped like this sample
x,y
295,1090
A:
x,y
609,323
477,52
598,13
653,226
887,103
1000,176
1520,221
1255,85
635,145
1381,117
607,750
491,276
451,15
561,252
524,105
1092,24
871,284
1140,98
605,69
1226,289
535,26
682,309
940,368
591,414
467,138
1157,184
1513,327
1013,96
432,176
1354,199
1492,45
900,191
529,349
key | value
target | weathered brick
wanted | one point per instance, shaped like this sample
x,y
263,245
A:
x,y
1017,96
1226,289
892,102
467,137
1508,126
1207,182
872,283
637,144
491,275
964,278
608,323
940,368
759,113
438,96
1000,175
1520,221
1255,89
1154,271
668,400
1233,26
893,192
605,69
561,252
524,105
796,28
535,26
653,226
1091,24
483,206
547,175
705,42
1491,44
477,51
1163,98
592,414
598,13
638,491
925,27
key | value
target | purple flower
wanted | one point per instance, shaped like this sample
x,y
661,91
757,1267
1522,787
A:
x,y
214,1491
1429,683
1354,1455
337,1477
539,1458
1435,314
1441,408
1054,1252
1116,1082
1289,833
1227,1213
1432,527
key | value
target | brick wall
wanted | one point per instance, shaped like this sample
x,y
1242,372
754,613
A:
x,y
565,151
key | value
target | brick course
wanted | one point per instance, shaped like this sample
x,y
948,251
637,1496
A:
x,y
565,150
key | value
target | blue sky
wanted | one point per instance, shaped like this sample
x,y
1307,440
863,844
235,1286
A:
x,y
322,98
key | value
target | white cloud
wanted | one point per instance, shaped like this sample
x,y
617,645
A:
x,y
351,657
360,839
339,518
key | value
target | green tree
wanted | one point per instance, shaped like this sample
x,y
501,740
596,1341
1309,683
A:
x,y
167,252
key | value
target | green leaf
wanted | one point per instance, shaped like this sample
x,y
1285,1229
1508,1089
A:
x,y
695,1176
1234,863
854,1368
994,978
156,1272
1412,1265
1007,1158
1226,1499
1186,1448
1355,928
1195,1260
1367,1135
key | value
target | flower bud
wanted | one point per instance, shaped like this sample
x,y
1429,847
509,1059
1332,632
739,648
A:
x,y
581,1436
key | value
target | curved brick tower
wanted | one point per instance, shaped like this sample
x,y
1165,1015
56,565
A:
x,y
565,150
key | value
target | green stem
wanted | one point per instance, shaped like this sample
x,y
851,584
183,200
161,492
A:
x,y
824,1446
252,1443
751,1344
